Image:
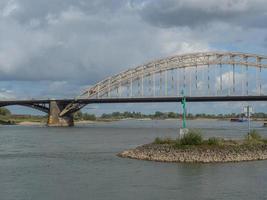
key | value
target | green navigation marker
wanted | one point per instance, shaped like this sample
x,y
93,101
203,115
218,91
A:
x,y
184,109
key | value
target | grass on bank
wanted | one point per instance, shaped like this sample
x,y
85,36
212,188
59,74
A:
x,y
15,119
194,138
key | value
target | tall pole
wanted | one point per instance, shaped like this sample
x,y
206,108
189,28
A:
x,y
248,111
184,109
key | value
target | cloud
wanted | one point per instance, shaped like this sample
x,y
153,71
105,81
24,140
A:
x,y
59,47
74,43
195,13
227,79
6,94
9,8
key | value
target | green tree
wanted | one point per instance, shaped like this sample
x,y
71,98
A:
x,y
87,116
4,112
172,115
78,115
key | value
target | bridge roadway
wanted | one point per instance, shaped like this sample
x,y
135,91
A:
x,y
135,100
55,107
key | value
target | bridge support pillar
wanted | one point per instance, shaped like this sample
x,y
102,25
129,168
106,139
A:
x,y
54,118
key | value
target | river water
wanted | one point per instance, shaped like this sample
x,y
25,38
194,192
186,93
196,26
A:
x,y
81,163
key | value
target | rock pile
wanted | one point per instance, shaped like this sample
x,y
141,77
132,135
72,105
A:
x,y
203,154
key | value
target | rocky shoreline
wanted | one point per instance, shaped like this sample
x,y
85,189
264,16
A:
x,y
197,154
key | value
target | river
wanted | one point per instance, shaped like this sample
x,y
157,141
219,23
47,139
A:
x,y
80,163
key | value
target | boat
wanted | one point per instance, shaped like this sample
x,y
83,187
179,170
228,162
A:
x,y
240,119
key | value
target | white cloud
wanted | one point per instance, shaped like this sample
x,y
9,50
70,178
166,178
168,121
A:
x,y
10,7
180,41
6,94
227,79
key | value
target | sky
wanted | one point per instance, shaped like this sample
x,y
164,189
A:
x,y
57,48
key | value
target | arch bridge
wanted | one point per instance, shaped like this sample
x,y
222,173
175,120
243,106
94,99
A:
x,y
208,76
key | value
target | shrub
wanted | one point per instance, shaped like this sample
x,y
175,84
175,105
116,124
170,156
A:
x,y
213,141
166,140
157,140
193,137
253,135
4,112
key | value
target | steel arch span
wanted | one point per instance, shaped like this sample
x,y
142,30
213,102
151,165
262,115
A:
x,y
42,105
207,74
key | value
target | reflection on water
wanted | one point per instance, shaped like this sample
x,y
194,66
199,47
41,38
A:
x,y
81,163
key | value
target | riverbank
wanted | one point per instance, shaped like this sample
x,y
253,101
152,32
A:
x,y
43,123
33,120
80,122
29,123
197,154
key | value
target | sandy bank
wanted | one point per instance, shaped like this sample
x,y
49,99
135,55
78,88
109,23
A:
x,y
30,123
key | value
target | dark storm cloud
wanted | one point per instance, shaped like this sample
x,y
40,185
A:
x,y
197,13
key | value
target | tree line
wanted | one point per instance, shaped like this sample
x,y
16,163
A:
x,y
160,115
138,115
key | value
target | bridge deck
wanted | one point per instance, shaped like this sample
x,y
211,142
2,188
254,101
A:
x,y
173,99
137,100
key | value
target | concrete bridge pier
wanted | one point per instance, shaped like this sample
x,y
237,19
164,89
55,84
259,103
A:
x,y
54,118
